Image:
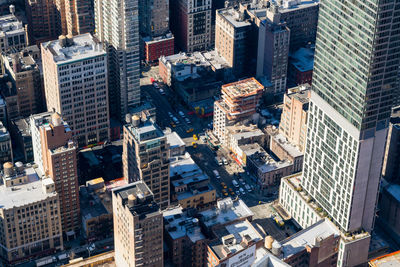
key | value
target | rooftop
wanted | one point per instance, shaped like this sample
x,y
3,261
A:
x,y
227,211
144,130
174,140
264,258
91,204
178,224
292,5
23,126
261,159
303,59
308,237
234,238
9,24
24,194
4,134
243,88
241,131
389,260
234,17
290,148
142,204
66,50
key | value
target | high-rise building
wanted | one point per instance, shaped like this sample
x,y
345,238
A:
x,y
74,17
231,39
75,80
145,157
191,24
238,102
29,214
13,34
293,123
24,74
355,75
42,20
117,26
138,227
55,154
391,161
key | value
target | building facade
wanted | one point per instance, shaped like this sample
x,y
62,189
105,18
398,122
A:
x,y
25,76
349,115
117,26
74,17
391,160
55,154
145,157
293,124
138,227
75,80
231,38
191,24
42,20
6,151
13,34
29,215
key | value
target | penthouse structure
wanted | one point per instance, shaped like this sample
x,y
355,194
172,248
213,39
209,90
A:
x,y
138,226
238,102
191,24
293,124
13,34
184,238
30,222
75,80
27,88
55,153
145,157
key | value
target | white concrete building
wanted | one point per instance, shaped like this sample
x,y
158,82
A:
x,y
75,80
117,26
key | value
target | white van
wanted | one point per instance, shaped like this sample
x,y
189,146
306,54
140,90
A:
x,y
216,173
235,183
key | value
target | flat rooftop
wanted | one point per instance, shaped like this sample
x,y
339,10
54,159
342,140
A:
x,y
290,148
303,59
243,88
145,131
241,231
389,260
174,140
234,17
24,194
9,25
307,237
178,224
293,5
91,204
227,211
82,46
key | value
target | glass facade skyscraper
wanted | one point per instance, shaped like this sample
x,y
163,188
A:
x,y
355,77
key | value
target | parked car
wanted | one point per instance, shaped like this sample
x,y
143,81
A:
x,y
242,181
225,161
218,161
181,114
161,91
188,121
216,173
235,183
248,188
242,191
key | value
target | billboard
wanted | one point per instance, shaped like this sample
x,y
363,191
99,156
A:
x,y
244,258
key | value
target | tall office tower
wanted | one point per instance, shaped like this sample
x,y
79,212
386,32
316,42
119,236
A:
x,y
42,20
75,80
24,74
13,35
232,33
55,154
138,227
145,157
239,101
355,74
191,24
29,215
154,17
74,17
117,26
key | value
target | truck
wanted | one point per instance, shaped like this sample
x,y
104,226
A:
x,y
45,261
216,173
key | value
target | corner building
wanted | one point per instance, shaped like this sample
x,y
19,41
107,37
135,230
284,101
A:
x,y
138,227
